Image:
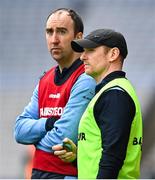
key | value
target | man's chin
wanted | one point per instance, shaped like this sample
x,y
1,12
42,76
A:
x,y
87,72
56,57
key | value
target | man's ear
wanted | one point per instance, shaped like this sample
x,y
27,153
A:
x,y
115,52
79,35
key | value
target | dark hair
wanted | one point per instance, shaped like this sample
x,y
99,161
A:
x,y
78,23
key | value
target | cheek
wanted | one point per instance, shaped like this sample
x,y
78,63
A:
x,y
66,42
48,41
98,65
90,68
48,44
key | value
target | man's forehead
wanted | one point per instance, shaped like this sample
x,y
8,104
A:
x,y
59,17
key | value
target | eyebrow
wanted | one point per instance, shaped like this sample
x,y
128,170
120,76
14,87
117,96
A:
x,y
58,28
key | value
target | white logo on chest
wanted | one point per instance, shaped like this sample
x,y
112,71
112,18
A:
x,y
54,96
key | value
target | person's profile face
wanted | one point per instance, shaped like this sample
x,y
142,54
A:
x,y
96,62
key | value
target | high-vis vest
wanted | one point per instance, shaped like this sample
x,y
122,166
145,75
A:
x,y
52,100
90,142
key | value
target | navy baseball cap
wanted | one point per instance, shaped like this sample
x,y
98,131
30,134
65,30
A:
x,y
99,37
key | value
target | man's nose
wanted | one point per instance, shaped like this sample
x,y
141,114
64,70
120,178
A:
x,y
54,38
83,56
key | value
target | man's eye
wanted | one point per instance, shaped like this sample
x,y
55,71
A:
x,y
49,31
62,32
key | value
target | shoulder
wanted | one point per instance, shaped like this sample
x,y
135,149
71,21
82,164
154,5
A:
x,y
116,98
42,75
85,77
115,94
86,80
85,85
47,72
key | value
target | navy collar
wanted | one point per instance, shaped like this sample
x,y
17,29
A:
x,y
110,77
61,77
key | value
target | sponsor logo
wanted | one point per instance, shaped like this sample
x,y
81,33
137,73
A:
x,y
50,111
54,96
137,141
81,136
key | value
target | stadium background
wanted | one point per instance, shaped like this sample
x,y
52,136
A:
x,y
24,57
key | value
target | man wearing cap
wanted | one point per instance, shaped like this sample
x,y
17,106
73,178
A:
x,y
110,130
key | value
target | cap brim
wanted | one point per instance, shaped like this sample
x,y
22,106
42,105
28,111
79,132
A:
x,y
80,44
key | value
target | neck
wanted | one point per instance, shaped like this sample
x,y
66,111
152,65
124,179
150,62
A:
x,y
99,78
66,63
